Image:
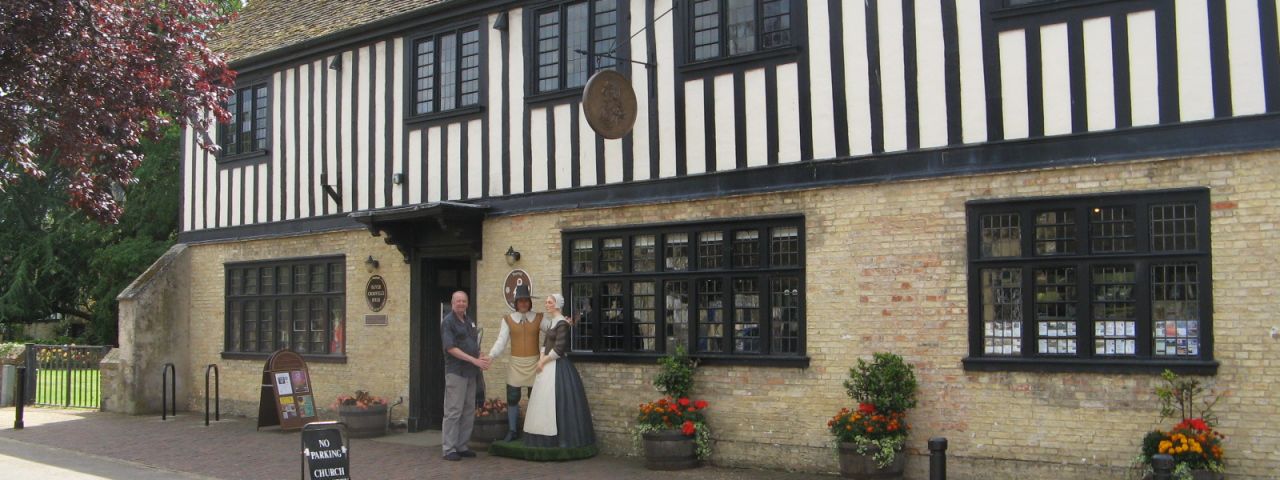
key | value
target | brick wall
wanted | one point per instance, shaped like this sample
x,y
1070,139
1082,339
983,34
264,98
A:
x,y
886,271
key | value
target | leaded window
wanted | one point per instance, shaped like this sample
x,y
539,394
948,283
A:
x,y
1119,278
572,41
247,131
724,289
298,304
446,73
727,28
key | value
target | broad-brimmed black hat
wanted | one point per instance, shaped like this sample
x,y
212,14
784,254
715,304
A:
x,y
522,293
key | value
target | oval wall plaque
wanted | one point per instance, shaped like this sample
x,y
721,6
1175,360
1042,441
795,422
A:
x,y
609,103
375,293
515,278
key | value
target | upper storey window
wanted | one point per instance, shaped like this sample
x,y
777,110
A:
x,y
446,71
727,28
247,131
569,37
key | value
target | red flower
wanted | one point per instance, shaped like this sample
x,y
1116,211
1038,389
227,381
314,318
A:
x,y
701,404
684,402
688,428
866,408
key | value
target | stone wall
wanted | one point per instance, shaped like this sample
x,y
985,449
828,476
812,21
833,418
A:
x,y
886,271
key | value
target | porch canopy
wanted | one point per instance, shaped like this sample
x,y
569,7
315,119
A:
x,y
428,228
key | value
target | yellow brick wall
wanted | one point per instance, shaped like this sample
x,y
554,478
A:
x,y
886,271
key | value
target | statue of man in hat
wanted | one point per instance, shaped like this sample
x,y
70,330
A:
x,y
521,331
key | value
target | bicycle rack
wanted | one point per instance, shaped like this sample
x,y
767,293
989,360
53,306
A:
x,y
217,395
168,391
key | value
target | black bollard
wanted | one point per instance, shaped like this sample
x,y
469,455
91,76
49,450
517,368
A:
x,y
22,398
938,458
1162,467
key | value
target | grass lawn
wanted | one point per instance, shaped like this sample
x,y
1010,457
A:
x,y
51,388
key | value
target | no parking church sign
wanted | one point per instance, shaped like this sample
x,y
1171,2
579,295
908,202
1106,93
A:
x,y
324,453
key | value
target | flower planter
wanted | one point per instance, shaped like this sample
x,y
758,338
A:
x,y
669,450
1197,474
364,423
863,466
489,429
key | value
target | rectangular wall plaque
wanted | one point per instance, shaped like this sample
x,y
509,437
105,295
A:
x,y
375,319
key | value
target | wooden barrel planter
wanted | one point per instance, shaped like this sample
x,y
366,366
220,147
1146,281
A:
x,y
488,430
863,466
669,450
364,423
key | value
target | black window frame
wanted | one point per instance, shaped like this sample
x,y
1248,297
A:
x,y
594,62
239,296
686,36
231,150
411,73
1084,262
765,276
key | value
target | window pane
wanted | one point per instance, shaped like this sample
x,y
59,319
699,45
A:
x,y
470,69
584,256
318,276
1002,311
319,326
1001,235
1055,233
234,326
676,293
605,36
775,25
448,71
245,118
235,284
710,250
337,278
1175,309
1056,298
746,249
644,330
746,315
286,280
251,281
706,29
1173,227
426,76
267,320
230,130
784,247
576,24
741,25
643,254
1112,230
549,50
284,323
1114,310
249,319
580,303
677,252
785,315
337,337
611,319
300,324
268,284
711,315
611,255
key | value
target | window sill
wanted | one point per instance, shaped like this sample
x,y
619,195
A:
x,y
445,115
1042,7
1182,367
255,156
652,358
263,356
736,62
555,96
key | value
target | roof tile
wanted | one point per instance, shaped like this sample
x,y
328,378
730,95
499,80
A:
x,y
267,25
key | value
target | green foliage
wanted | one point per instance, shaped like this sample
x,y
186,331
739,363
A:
x,y
887,383
1178,399
675,379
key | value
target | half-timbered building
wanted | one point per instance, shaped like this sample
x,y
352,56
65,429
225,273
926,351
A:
x,y
1041,204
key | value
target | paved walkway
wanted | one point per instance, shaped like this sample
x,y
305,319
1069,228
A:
x,y
145,447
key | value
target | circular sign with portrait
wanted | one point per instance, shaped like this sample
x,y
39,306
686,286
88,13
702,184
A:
x,y
609,103
375,293
515,279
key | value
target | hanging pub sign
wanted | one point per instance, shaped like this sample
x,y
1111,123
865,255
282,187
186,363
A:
x,y
324,452
287,397
514,279
609,103
375,293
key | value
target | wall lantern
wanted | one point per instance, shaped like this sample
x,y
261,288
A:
x,y
512,256
370,264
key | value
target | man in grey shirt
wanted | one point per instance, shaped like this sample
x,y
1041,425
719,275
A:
x,y
462,366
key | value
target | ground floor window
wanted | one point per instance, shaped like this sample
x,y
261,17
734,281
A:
x,y
1113,279
294,303
717,289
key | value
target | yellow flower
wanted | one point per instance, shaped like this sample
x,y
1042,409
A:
x,y
1165,445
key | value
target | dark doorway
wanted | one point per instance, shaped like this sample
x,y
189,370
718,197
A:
x,y
437,279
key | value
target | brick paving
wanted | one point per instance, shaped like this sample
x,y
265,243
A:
x,y
234,449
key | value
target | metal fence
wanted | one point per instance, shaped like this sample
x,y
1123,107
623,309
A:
x,y
64,375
